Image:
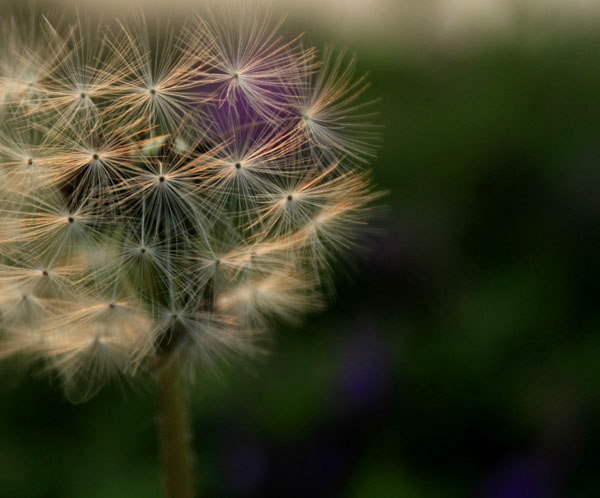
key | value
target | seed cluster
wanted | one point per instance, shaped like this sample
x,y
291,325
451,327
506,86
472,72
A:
x,y
167,195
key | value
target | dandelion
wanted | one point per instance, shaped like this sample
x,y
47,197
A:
x,y
163,199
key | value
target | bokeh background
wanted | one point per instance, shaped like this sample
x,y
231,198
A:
x,y
461,356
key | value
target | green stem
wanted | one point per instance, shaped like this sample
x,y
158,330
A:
x,y
175,430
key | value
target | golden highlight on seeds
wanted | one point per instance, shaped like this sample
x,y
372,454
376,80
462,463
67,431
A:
x,y
169,194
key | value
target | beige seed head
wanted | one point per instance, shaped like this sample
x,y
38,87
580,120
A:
x,y
170,195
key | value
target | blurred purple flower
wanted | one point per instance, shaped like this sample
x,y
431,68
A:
x,y
244,465
363,369
530,476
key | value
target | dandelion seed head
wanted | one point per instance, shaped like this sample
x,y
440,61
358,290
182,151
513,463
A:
x,y
170,195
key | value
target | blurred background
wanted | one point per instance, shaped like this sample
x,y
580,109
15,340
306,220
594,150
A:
x,y
461,356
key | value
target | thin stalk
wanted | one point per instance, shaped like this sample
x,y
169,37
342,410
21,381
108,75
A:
x,y
175,430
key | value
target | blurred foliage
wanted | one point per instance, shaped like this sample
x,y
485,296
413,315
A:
x,y
461,356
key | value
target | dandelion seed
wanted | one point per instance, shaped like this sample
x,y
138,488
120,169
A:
x,y
332,119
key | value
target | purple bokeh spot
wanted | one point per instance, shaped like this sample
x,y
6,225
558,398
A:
x,y
261,107
524,477
363,369
244,465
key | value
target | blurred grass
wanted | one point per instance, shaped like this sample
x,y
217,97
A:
x,y
461,357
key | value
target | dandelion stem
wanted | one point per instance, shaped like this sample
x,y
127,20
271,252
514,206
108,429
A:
x,y
175,430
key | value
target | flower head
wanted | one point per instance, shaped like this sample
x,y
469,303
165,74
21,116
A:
x,y
169,196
